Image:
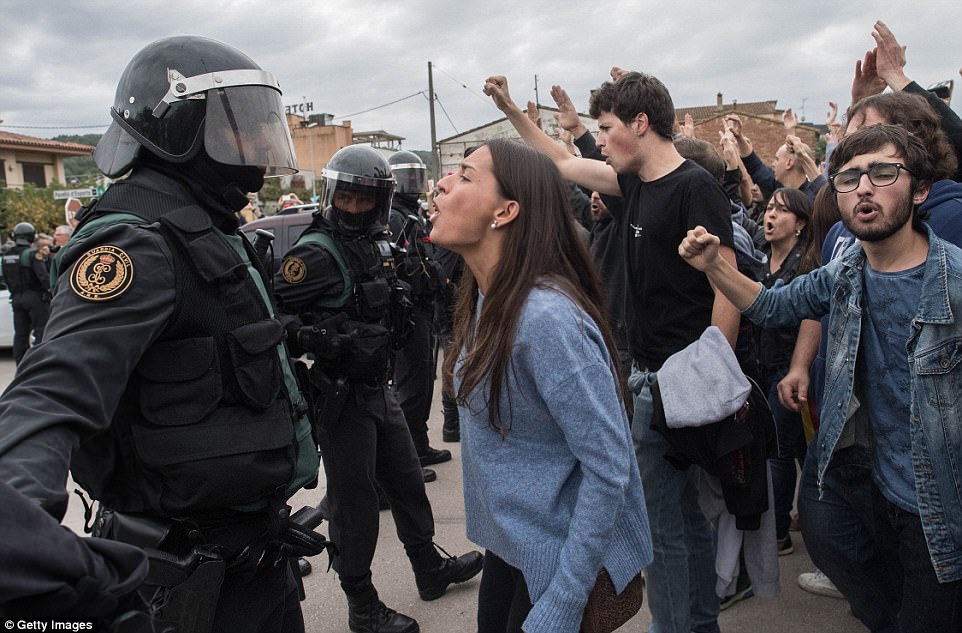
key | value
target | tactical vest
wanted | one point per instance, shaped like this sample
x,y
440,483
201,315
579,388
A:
x,y
18,270
206,425
372,297
367,267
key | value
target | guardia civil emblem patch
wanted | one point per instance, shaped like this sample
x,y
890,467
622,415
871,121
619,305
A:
x,y
102,273
294,270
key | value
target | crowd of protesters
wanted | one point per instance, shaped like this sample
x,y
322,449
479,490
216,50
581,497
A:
x,y
879,493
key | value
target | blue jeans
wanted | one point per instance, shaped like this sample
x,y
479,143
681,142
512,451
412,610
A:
x,y
872,550
791,447
681,579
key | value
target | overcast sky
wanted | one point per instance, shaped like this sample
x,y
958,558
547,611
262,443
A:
x,y
60,61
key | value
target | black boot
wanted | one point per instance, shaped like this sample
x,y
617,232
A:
x,y
367,614
451,431
429,475
429,456
433,573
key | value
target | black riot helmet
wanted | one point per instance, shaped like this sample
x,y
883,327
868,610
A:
x,y
358,187
181,94
24,234
410,173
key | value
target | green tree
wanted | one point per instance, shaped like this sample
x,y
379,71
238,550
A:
x,y
33,205
82,168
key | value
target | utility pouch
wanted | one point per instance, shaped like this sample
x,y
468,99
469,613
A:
x,y
328,397
134,529
373,299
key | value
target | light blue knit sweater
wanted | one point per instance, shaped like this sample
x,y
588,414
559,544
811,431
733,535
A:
x,y
560,496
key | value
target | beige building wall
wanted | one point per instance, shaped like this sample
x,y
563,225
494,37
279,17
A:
x,y
13,161
314,145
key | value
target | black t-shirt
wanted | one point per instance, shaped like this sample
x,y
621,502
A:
x,y
668,303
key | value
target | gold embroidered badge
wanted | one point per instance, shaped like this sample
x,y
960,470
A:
x,y
102,273
294,270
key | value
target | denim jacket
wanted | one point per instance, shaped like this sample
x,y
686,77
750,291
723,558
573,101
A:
x,y
934,354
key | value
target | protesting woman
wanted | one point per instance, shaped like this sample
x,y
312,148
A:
x,y
551,485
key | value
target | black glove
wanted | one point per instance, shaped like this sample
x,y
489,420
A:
x,y
323,338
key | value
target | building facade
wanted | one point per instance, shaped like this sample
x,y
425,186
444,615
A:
x,y
35,161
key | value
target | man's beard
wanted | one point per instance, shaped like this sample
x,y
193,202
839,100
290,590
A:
x,y
884,226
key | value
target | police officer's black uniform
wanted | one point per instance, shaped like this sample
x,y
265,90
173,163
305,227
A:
x,y
28,280
163,381
415,363
341,271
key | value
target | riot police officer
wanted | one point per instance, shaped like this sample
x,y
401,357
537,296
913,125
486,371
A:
x,y
163,381
341,274
27,279
415,363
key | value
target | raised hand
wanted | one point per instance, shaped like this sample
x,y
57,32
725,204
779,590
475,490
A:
x,y
729,149
496,87
534,114
688,129
866,82
890,57
832,114
789,120
803,154
567,116
733,124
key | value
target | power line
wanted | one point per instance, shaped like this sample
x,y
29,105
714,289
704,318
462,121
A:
x,y
380,106
462,84
441,105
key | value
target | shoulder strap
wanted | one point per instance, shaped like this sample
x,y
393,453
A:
x,y
326,242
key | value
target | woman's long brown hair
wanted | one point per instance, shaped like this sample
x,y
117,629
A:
x,y
541,249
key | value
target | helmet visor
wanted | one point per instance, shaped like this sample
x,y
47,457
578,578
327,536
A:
x,y
245,125
355,203
411,178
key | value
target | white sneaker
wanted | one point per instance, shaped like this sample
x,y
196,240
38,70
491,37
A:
x,y
818,583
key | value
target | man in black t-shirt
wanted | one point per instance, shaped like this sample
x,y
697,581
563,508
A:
x,y
666,308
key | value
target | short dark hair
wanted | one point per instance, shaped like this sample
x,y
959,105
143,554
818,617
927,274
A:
x,y
633,94
914,113
870,139
703,153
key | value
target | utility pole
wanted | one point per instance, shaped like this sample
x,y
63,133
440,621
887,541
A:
x,y
435,154
537,100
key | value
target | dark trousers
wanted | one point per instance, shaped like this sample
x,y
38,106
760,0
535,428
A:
x,y
791,447
503,600
30,314
414,372
872,550
265,602
368,444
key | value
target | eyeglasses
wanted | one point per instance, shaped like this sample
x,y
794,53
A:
x,y
879,174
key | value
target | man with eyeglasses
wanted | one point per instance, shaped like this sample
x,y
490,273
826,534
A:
x,y
894,381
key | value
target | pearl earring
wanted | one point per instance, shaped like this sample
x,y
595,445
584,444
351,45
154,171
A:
x,y
798,232
494,224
